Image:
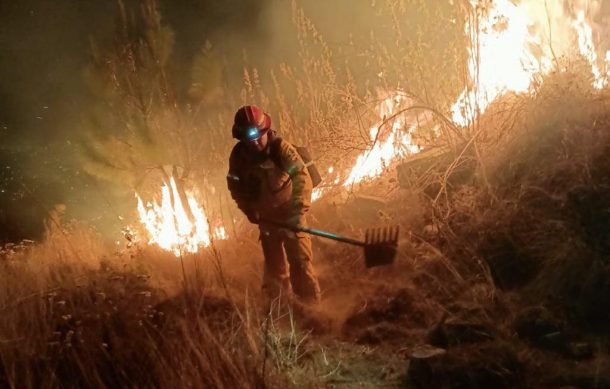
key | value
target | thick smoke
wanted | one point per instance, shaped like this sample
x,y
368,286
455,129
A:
x,y
43,97
45,49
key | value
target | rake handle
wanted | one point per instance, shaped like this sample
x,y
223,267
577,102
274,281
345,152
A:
x,y
320,233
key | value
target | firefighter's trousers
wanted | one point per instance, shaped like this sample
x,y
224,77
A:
x,y
298,272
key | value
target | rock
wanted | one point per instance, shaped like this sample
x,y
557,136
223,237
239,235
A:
x,y
489,366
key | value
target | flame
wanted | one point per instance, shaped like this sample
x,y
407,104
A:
x,y
399,143
587,49
170,226
501,61
502,57
371,163
511,49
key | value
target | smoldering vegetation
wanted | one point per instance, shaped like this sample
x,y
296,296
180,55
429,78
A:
x,y
501,279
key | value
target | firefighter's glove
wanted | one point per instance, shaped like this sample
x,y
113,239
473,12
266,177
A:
x,y
254,217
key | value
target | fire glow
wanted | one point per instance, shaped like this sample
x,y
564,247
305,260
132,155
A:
x,y
384,150
501,61
587,50
508,53
170,225
511,48
398,144
501,58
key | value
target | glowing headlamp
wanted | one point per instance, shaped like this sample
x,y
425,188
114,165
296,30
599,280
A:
x,y
252,133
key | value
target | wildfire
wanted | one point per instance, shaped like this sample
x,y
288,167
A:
x,y
172,227
511,48
398,144
385,150
502,57
501,61
587,49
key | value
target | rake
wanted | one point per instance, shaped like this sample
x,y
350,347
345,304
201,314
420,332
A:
x,y
379,244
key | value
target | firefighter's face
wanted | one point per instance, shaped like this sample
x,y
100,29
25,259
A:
x,y
259,144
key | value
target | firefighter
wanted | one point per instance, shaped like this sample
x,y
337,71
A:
x,y
269,182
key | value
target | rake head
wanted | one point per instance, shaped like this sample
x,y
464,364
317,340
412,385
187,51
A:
x,y
380,246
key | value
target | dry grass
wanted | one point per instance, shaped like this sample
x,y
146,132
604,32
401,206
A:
x,y
77,313
100,316
95,320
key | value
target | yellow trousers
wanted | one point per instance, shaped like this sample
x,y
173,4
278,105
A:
x,y
298,272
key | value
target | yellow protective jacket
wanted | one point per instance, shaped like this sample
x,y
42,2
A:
x,y
259,183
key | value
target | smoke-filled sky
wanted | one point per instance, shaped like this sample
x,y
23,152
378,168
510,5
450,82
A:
x,y
44,49
45,46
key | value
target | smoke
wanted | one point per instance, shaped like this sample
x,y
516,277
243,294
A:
x,y
46,47
44,98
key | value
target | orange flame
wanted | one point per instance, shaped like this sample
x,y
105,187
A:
x,y
503,58
587,49
383,152
501,61
170,226
512,50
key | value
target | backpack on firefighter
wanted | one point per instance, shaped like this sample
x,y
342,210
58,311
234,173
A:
x,y
274,155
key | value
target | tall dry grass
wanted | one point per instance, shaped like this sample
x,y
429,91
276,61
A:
x,y
77,313
534,217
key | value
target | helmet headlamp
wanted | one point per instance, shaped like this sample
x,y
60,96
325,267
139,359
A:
x,y
252,133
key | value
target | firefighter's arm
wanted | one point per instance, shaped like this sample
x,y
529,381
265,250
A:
x,y
236,185
301,181
236,193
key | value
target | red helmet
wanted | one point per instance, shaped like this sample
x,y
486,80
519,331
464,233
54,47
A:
x,y
250,122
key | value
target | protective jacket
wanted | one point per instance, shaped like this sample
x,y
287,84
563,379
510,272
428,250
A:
x,y
257,183
279,188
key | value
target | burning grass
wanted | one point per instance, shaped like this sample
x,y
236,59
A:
x,y
78,313
138,316
525,224
527,229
